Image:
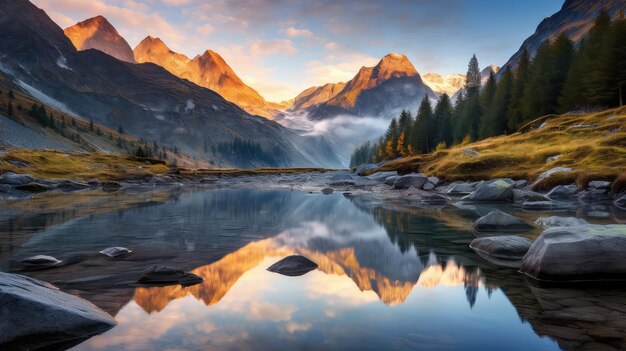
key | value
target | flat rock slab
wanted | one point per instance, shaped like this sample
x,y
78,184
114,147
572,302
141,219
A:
x,y
158,274
555,221
563,191
578,253
495,191
293,266
15,179
39,262
507,250
36,315
416,180
115,252
499,222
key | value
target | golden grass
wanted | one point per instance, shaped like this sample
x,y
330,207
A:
x,y
596,152
80,166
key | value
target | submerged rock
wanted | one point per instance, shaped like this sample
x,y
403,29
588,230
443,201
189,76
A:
x,y
33,187
39,262
15,179
507,250
158,274
116,251
293,266
415,180
498,190
499,222
539,206
578,253
36,315
555,221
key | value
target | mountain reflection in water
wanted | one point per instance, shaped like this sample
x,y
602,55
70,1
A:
x,y
388,278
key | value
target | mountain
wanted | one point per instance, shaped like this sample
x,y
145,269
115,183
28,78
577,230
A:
x,y
575,18
208,70
383,90
144,100
440,84
314,96
97,33
484,74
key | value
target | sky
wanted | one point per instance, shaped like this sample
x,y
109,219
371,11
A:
x,y
281,47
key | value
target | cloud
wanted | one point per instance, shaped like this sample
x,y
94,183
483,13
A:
x,y
206,29
272,47
176,2
295,32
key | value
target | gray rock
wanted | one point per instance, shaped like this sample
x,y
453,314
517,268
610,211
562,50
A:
x,y
498,190
390,180
553,171
428,186
578,253
522,183
15,179
598,184
69,185
343,182
368,167
434,180
555,221
592,195
415,180
621,202
39,262
460,188
293,266
93,182
327,191
341,176
432,199
563,191
158,274
497,221
36,315
116,251
189,279
528,195
381,176
507,247
471,152
5,188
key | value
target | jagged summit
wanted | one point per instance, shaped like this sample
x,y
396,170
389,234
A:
x,y
393,65
98,33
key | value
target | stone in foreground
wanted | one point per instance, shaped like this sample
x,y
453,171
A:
x,y
555,221
578,253
15,179
507,250
293,266
416,180
39,262
499,222
116,251
158,274
36,315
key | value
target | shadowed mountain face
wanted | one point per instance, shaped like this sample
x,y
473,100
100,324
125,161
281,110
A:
x,y
145,100
575,19
208,70
97,33
314,96
390,86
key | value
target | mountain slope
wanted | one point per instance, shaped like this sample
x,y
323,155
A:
x,y
392,85
314,96
208,70
574,19
97,33
440,84
145,100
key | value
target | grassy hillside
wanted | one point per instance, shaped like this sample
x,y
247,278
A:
x,y
593,145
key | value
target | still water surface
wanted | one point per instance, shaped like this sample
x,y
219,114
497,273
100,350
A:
x,y
389,278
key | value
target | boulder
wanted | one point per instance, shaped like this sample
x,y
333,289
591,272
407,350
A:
x,y
327,191
158,274
341,176
189,279
15,179
367,167
415,180
434,180
428,186
116,251
507,250
390,180
555,221
498,190
563,191
110,186
39,262
528,195
497,221
460,188
293,266
522,183
381,176
599,184
578,253
33,187
36,315
592,195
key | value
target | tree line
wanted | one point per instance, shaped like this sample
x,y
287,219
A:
x,y
562,77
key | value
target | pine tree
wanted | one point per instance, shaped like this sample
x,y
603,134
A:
x,y
472,82
422,127
494,121
520,80
91,125
443,120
